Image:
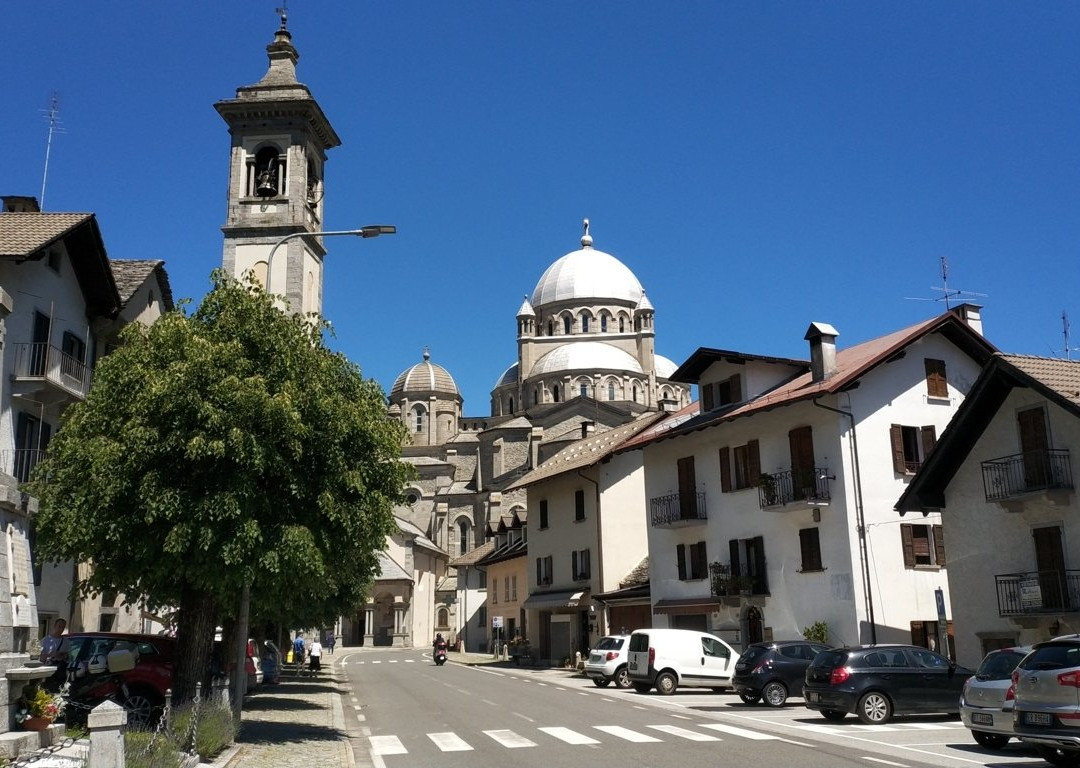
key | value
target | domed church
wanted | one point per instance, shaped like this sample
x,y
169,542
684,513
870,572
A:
x,y
586,362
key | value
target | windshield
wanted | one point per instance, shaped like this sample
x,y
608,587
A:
x,y
753,654
830,659
999,665
1052,656
609,644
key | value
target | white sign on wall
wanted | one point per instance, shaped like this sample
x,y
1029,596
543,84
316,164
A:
x,y
496,622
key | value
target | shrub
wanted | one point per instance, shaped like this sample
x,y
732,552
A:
x,y
216,729
817,632
143,750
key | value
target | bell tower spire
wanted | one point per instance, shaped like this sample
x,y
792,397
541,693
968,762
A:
x,y
280,137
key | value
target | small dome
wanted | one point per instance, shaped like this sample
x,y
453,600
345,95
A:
x,y
526,309
425,376
586,356
664,367
509,376
587,274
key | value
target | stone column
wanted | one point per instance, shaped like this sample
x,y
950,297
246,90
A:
x,y
106,724
369,625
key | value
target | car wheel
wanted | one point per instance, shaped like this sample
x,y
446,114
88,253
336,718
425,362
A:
x,y
749,698
666,683
874,708
600,682
1062,758
142,710
774,694
833,714
622,678
990,740
642,687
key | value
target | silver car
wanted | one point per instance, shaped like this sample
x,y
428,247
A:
x,y
1046,684
607,661
986,702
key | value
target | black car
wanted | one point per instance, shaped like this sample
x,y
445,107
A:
x,y
773,671
879,681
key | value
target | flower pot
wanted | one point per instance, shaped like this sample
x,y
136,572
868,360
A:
x,y
32,723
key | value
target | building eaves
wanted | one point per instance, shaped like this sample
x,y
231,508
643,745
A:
x,y
132,274
690,371
473,555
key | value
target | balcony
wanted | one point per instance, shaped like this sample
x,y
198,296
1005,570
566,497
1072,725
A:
x,y
20,463
1036,592
732,587
44,363
791,486
677,510
1012,477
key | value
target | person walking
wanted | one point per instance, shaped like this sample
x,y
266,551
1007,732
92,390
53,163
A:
x,y
298,651
331,641
50,644
315,654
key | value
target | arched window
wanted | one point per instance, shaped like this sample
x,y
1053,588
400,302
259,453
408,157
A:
x,y
551,328
555,393
584,389
442,621
266,173
635,393
419,420
511,405
259,268
611,390
584,323
566,325
622,325
536,395
463,536
603,323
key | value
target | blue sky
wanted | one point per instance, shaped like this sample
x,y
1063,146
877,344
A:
x,y
758,165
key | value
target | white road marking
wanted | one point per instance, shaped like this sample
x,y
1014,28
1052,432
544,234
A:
x,y
625,733
361,718
569,736
387,745
682,717
393,661
929,726
884,762
377,661
735,730
582,693
684,733
449,742
410,661
525,717
356,706
509,739
488,701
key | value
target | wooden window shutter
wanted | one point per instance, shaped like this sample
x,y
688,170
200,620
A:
x,y
697,560
908,545
575,566
936,383
928,435
733,547
539,572
939,545
759,564
725,470
896,437
550,567
680,558
753,457
706,397
586,566
736,388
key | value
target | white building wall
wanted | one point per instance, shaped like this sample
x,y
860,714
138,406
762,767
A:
x,y
624,521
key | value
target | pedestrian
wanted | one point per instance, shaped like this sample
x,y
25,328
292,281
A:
x,y
50,644
315,653
298,651
331,641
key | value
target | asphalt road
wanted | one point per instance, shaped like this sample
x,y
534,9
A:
x,y
402,710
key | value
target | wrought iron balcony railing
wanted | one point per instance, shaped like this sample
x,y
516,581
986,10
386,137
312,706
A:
x,y
44,362
780,488
677,509
1011,476
1038,592
19,463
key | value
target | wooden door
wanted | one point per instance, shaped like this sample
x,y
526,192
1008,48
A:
x,y
1034,444
687,489
1050,561
801,442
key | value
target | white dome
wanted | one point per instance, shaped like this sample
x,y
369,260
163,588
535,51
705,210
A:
x,y
586,356
509,376
425,377
587,274
664,367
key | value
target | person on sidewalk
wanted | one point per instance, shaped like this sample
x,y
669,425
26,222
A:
x,y
298,651
315,654
50,644
330,640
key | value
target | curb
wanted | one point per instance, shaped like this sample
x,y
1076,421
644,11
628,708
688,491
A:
x,y
226,758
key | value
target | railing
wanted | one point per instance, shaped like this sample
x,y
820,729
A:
x,y
1022,473
791,485
19,463
1038,592
41,361
669,510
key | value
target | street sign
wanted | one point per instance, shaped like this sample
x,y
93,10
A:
x,y
942,623
496,622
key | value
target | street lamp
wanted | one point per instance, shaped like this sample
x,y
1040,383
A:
x,y
373,230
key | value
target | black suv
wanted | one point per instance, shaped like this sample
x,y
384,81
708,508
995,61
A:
x,y
774,671
877,681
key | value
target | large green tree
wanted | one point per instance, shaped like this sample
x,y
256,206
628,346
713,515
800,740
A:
x,y
221,448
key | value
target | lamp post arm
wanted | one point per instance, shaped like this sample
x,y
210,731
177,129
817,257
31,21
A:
x,y
365,232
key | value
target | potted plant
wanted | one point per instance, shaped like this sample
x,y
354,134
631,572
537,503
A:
x,y
767,487
741,585
36,709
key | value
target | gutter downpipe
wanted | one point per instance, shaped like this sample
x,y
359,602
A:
x,y
860,520
601,627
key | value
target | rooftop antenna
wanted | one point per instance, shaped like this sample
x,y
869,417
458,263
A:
x,y
52,114
283,12
946,293
1065,332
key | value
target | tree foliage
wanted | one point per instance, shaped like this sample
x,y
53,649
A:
x,y
223,447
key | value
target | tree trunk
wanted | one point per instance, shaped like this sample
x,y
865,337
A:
x,y
195,641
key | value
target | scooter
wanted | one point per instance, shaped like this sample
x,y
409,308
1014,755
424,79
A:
x,y
440,656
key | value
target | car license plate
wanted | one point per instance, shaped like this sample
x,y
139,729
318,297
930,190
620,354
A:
x,y
982,718
1038,718
812,696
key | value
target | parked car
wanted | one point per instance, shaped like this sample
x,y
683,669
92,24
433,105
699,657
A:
x,y
253,666
607,662
83,657
669,658
1046,684
986,694
773,671
879,681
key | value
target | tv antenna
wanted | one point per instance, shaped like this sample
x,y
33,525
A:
x,y
52,114
946,293
1065,332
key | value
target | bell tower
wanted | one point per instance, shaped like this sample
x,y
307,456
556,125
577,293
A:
x,y
279,141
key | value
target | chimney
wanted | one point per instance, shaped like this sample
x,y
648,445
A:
x,y
972,315
822,338
588,428
20,204
535,437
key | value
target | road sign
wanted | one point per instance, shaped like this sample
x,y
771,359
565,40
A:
x,y
496,622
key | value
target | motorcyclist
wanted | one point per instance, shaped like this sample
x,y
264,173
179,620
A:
x,y
439,644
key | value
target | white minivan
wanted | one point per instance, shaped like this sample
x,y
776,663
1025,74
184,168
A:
x,y
668,658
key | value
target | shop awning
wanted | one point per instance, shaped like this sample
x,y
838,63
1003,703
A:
x,y
687,605
547,601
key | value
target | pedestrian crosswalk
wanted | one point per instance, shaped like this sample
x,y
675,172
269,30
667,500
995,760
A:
x,y
451,742
850,729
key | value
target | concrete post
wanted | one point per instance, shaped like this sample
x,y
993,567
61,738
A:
x,y
106,724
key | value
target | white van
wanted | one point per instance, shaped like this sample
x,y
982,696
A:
x,y
668,658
